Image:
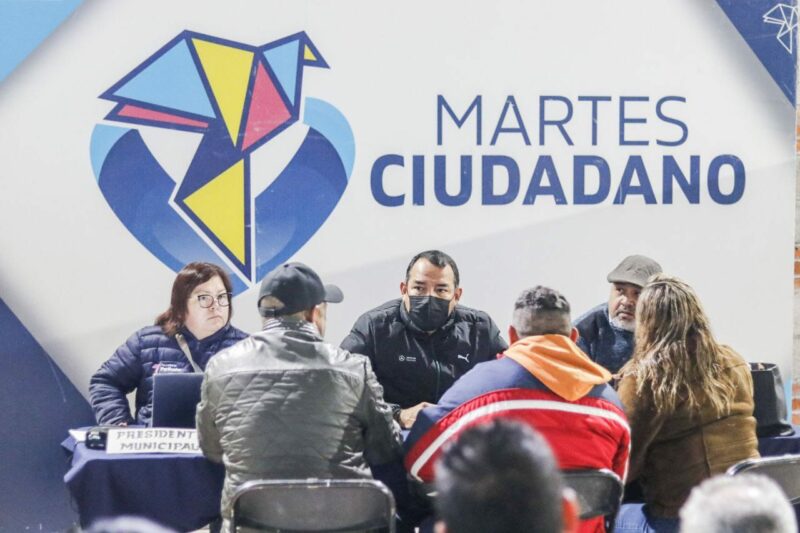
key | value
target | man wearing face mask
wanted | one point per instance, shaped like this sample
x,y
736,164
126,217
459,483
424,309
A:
x,y
420,343
606,331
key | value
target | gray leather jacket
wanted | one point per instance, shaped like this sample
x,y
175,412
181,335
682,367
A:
x,y
283,404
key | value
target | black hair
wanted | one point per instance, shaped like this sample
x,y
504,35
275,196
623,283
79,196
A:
x,y
541,298
501,477
541,311
438,259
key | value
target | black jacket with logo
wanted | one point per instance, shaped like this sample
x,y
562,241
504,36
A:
x,y
413,366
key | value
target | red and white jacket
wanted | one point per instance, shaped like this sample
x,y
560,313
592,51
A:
x,y
545,381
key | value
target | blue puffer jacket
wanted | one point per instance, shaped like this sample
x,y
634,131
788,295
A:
x,y
147,352
604,343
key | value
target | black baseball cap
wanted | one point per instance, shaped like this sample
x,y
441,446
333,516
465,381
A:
x,y
298,287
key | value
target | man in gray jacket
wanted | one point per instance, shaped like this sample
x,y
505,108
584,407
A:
x,y
284,404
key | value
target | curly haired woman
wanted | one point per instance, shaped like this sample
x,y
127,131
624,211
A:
x,y
689,402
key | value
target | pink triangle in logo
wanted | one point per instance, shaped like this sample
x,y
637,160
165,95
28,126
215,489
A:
x,y
267,109
132,111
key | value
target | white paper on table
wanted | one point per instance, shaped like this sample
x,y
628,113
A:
x,y
78,434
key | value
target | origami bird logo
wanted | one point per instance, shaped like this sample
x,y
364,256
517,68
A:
x,y
239,97
785,17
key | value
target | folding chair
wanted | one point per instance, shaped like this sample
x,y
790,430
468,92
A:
x,y
784,470
599,493
294,505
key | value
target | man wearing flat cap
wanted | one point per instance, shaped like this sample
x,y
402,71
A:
x,y
284,404
606,331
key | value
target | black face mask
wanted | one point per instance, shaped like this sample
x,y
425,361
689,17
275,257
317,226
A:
x,y
428,313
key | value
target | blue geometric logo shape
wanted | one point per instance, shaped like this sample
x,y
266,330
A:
x,y
238,98
770,30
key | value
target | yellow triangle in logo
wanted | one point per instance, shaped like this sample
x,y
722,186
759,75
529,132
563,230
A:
x,y
308,54
228,72
219,204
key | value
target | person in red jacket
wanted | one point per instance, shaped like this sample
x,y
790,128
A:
x,y
543,379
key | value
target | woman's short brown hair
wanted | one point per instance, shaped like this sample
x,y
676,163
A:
x,y
188,278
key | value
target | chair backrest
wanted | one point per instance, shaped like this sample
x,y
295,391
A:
x,y
599,491
313,505
784,470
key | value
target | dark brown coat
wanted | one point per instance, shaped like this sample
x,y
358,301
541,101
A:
x,y
671,454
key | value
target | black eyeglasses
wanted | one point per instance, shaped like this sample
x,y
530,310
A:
x,y
206,300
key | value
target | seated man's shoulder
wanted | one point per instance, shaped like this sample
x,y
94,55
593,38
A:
x,y
380,317
232,357
337,354
352,362
491,375
386,311
606,393
593,320
471,315
592,315
338,361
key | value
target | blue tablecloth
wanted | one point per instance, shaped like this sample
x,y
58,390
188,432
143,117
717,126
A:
x,y
773,446
177,490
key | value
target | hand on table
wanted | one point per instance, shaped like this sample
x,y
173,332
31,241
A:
x,y
408,416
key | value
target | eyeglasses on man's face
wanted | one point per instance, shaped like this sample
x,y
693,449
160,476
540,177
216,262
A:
x,y
206,300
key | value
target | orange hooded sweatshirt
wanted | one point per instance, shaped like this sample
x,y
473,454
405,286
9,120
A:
x,y
558,363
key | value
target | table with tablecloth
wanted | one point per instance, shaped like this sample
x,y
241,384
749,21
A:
x,y
183,490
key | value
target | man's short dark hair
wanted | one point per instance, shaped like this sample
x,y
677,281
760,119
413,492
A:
x,y
436,258
500,477
541,311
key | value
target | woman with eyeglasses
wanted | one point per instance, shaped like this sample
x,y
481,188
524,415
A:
x,y
689,402
185,336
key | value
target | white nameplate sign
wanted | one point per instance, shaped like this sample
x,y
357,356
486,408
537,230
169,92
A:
x,y
152,440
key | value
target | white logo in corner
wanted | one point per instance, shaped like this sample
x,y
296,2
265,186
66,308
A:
x,y
464,356
406,358
784,16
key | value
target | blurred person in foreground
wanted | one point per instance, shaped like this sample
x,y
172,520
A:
x,y
501,477
126,524
689,402
746,503
606,331
195,326
284,404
